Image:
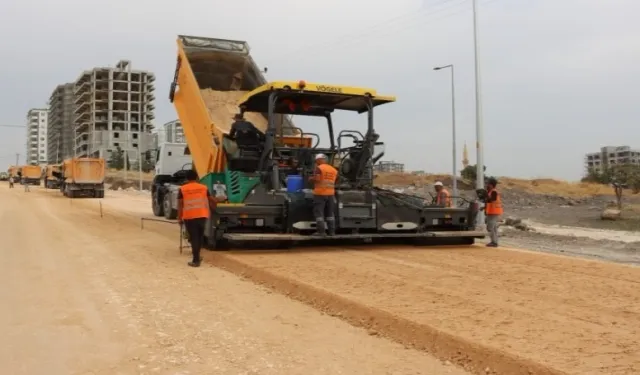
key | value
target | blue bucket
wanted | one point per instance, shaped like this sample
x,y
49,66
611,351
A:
x,y
294,183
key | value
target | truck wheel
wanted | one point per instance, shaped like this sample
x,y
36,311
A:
x,y
156,205
101,194
216,244
71,194
169,212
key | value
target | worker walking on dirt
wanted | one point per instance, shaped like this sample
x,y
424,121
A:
x,y
194,206
493,210
26,187
11,182
324,201
443,198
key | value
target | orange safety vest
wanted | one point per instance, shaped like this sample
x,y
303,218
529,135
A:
x,y
326,180
443,195
494,208
195,201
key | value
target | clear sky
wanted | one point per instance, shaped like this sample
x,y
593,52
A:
x,y
560,78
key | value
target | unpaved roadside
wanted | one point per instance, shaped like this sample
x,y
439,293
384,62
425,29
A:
x,y
85,294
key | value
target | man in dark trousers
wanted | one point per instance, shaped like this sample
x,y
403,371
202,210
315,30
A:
x,y
195,205
324,201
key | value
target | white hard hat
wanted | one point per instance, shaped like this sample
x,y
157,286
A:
x,y
438,183
321,156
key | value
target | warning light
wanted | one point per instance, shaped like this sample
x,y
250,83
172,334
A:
x,y
302,84
290,104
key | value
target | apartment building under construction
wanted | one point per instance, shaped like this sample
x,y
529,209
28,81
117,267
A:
x,y
113,109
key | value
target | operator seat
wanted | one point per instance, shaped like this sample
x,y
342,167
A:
x,y
249,142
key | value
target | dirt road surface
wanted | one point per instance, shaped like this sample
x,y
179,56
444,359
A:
x,y
103,283
502,310
89,295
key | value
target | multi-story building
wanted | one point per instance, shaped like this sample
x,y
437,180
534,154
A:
x,y
388,166
36,147
114,109
171,132
61,132
610,156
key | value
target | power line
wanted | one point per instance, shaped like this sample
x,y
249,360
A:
x,y
413,14
367,39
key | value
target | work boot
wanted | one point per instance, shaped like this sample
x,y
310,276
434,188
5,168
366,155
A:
x,y
492,244
331,225
194,264
320,231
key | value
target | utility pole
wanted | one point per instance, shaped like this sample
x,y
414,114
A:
x,y
58,149
139,162
17,159
479,130
453,131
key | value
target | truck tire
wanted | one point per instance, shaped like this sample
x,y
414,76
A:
x,y
71,194
169,212
157,204
100,194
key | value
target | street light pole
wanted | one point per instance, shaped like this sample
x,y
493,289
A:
x,y
453,131
479,130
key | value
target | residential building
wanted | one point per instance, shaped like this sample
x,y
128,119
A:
x,y
388,166
36,146
61,132
610,156
171,132
114,109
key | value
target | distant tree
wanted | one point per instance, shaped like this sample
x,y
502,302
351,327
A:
x,y
469,173
116,160
623,176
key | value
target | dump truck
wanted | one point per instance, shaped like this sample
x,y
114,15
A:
x,y
30,174
82,177
267,203
52,176
13,171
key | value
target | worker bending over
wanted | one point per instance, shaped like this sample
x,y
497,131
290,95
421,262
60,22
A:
x,y
324,201
443,198
195,205
493,210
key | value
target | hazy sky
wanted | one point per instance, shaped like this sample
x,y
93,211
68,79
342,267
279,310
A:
x,y
559,77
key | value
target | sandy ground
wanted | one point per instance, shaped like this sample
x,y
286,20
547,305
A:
x,y
124,299
503,311
85,294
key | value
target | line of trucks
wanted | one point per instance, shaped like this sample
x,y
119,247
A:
x,y
74,177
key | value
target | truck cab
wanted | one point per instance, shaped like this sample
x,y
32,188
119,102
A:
x,y
172,160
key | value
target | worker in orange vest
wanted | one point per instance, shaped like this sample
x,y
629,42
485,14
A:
x,y
493,210
443,198
324,201
194,206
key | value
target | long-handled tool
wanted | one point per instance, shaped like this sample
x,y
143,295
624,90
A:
x,y
183,233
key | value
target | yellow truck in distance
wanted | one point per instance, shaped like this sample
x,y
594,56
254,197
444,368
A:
x,y
13,172
52,176
30,174
83,177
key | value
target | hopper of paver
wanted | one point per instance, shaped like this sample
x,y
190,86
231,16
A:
x,y
211,76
